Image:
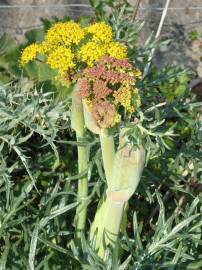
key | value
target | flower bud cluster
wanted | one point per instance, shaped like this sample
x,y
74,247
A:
x,y
109,90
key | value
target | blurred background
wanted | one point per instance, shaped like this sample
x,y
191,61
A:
x,y
183,23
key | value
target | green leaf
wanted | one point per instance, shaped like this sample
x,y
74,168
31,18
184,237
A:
x,y
136,232
33,245
7,44
56,247
125,264
9,52
195,265
35,36
4,255
95,3
31,70
55,213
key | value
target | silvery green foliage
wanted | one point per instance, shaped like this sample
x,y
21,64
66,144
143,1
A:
x,y
26,112
29,126
38,197
175,242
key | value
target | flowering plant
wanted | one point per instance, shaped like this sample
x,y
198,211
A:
x,y
131,115
105,95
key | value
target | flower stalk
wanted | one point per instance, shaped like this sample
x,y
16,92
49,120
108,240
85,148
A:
x,y
108,153
77,123
112,221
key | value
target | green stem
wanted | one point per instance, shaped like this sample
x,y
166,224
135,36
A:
x,y
108,153
82,194
123,171
78,124
112,221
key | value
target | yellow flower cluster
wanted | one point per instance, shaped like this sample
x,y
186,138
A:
x,y
116,119
29,53
66,45
123,97
111,122
137,73
61,59
66,34
93,51
101,32
117,50
137,97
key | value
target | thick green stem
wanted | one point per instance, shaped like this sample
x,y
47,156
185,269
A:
x,y
123,172
108,153
77,123
82,194
106,225
112,221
